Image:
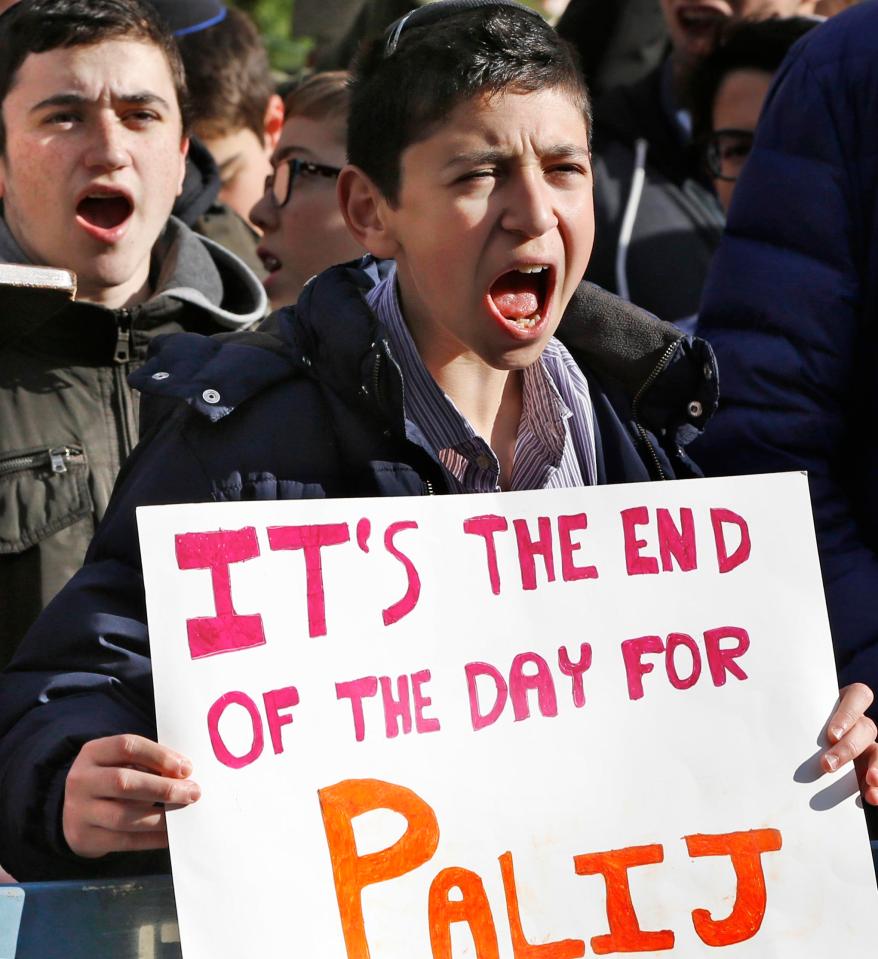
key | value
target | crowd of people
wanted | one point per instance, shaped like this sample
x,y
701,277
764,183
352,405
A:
x,y
482,279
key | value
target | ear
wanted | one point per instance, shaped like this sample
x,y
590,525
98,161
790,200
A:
x,y
366,212
274,121
184,152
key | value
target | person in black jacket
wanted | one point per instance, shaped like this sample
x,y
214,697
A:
x,y
657,220
444,377
618,41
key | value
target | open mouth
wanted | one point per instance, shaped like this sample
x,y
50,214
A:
x,y
521,296
269,260
103,211
701,20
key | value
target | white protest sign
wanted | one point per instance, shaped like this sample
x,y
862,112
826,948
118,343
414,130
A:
x,y
541,725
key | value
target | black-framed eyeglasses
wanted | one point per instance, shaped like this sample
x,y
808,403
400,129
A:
x,y
727,152
280,183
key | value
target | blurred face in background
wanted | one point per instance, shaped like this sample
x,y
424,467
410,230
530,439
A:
x,y
693,24
303,229
736,110
243,158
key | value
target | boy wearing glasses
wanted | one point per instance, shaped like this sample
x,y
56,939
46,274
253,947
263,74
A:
x,y
728,91
303,230
469,167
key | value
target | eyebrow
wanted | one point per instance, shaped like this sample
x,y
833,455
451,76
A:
x,y
141,98
560,151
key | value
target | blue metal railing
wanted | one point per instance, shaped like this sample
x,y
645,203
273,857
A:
x,y
112,919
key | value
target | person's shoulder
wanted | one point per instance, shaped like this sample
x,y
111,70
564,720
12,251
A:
x,y
652,362
851,34
322,339
840,54
215,375
224,226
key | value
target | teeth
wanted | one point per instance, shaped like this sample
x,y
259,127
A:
x,y
271,263
700,17
528,322
531,268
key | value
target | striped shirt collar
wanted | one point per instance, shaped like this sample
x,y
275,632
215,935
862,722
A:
x,y
548,452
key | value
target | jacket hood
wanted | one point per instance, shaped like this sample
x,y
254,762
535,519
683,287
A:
x,y
187,269
333,336
200,185
194,269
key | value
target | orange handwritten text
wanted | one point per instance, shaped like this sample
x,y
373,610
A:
x,y
457,894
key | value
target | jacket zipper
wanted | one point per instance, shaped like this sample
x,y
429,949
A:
x,y
57,457
635,405
376,383
122,360
376,374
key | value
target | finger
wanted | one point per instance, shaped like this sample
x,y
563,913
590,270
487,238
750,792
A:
x,y
870,795
854,742
117,816
132,750
133,785
867,766
867,772
853,701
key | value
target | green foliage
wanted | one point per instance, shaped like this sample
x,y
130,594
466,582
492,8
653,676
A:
x,y
275,20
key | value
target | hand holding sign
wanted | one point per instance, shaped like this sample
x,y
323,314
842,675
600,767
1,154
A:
x,y
113,792
108,806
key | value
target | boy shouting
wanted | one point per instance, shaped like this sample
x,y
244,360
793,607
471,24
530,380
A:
x,y
469,166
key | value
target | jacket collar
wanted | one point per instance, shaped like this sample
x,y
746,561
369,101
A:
x,y
331,335
670,379
190,270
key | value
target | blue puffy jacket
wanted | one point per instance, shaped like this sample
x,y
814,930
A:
x,y
791,308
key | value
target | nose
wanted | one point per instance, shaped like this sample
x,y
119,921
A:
x,y
529,208
264,212
107,146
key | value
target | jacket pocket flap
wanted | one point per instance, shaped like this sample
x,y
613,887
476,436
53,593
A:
x,y
42,490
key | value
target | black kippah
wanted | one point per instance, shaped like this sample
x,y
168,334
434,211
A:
x,y
189,16
439,10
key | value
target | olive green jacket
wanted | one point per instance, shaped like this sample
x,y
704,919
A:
x,y
68,418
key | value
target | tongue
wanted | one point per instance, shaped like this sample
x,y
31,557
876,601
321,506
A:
x,y
105,212
516,295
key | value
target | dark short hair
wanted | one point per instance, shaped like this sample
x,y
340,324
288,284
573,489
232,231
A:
x,y
229,76
322,96
399,99
38,26
743,45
